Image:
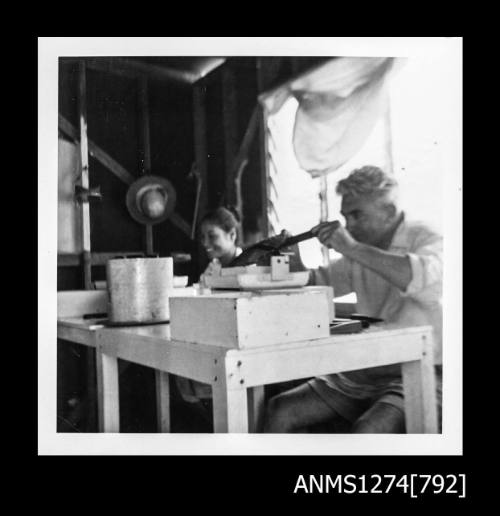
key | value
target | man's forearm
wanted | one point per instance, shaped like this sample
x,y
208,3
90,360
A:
x,y
394,268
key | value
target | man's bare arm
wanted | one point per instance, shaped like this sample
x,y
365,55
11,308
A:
x,y
394,268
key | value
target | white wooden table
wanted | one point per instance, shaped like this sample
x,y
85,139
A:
x,y
237,376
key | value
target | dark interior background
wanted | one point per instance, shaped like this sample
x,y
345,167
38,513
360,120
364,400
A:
x,y
231,92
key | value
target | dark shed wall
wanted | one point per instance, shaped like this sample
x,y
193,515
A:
x,y
172,155
114,124
245,70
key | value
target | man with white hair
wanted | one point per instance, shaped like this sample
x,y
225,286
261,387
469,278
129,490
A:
x,y
395,268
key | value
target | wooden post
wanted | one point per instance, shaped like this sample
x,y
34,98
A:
x,y
84,161
86,254
92,415
200,147
108,392
230,409
162,401
255,408
146,147
230,131
263,150
237,186
419,385
323,201
231,399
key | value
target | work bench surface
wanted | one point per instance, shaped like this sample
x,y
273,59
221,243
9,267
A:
x,y
237,376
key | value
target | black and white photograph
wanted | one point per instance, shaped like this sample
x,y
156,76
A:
x,y
250,246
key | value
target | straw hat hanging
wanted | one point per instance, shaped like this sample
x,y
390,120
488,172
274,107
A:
x,y
151,199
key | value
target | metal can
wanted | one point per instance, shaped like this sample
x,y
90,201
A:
x,y
139,289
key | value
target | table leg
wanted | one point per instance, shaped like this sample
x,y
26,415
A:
x,y
107,393
255,408
91,390
162,401
419,385
230,409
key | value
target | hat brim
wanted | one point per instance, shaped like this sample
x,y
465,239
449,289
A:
x,y
144,184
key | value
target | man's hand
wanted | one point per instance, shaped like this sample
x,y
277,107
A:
x,y
393,267
335,236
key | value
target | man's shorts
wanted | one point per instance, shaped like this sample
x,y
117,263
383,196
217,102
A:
x,y
348,407
351,408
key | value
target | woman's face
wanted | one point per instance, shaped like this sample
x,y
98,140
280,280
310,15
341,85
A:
x,y
217,242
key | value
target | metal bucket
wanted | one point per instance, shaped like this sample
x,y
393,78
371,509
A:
x,y
138,290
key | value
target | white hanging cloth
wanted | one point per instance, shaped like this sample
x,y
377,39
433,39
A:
x,y
339,104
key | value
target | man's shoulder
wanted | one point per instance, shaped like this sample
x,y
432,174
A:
x,y
419,228
414,233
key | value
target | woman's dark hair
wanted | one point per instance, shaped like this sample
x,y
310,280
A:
x,y
226,217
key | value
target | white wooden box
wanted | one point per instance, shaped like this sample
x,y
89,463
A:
x,y
252,319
